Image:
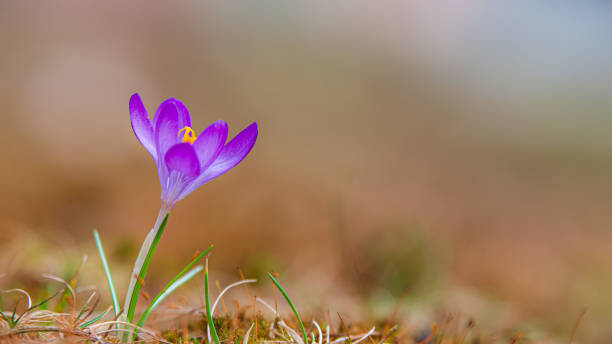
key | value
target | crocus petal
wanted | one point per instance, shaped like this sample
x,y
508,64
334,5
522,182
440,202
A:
x,y
209,143
183,114
231,154
235,151
184,119
166,129
141,125
182,158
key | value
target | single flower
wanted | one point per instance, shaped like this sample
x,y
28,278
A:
x,y
185,161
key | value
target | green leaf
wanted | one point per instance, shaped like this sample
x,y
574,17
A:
x,y
87,323
167,291
291,305
43,302
209,317
85,306
142,271
109,278
177,281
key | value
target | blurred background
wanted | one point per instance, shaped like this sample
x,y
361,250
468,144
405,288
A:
x,y
457,153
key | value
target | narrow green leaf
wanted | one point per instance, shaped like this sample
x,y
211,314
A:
x,y
143,270
109,278
209,317
5,318
291,305
173,284
167,291
84,308
43,302
87,323
13,322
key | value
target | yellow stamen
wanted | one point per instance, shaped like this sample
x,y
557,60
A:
x,y
189,135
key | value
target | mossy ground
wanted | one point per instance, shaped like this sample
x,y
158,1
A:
x,y
246,325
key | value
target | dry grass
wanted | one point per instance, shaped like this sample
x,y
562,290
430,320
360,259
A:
x,y
56,310
77,318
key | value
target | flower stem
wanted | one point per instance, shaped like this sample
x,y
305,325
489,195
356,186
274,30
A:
x,y
141,265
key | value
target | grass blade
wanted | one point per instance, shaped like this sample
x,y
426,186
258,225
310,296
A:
x,y
109,278
87,323
84,308
31,308
85,311
209,317
247,334
291,305
175,283
151,306
8,321
142,270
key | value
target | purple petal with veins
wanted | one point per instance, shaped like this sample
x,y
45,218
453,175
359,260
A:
x,y
183,114
182,158
166,129
210,142
231,154
141,125
183,167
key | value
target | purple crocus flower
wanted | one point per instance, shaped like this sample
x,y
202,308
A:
x,y
185,160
